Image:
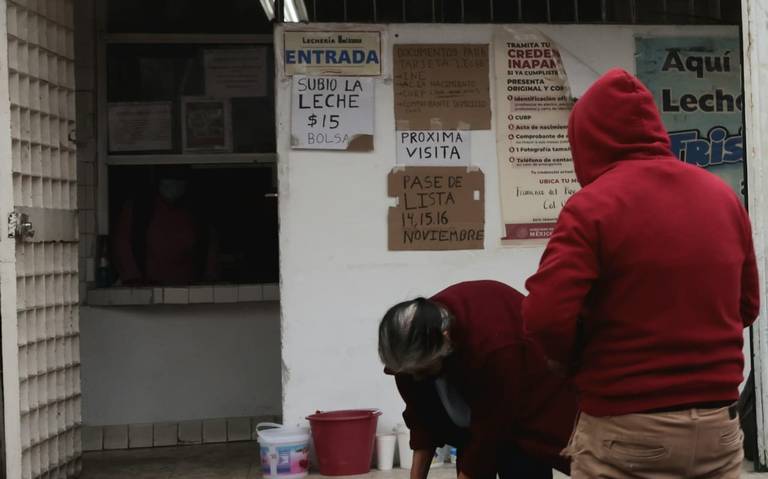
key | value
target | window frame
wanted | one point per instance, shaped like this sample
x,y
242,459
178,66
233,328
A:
x,y
105,160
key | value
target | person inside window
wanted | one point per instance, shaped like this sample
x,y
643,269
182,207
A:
x,y
160,239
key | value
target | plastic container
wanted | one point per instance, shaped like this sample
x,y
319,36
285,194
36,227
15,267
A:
x,y
441,456
284,451
344,440
453,455
385,451
404,446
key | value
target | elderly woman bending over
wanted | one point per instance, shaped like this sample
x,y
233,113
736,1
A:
x,y
471,378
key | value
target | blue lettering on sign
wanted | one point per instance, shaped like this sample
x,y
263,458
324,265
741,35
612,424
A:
x,y
331,57
716,148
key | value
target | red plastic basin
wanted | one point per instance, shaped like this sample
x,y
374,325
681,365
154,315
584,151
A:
x,y
344,440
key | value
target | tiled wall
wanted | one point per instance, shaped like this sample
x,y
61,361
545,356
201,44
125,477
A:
x,y
209,431
221,294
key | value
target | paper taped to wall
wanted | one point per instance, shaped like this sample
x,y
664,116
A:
x,y
441,87
433,147
439,208
332,113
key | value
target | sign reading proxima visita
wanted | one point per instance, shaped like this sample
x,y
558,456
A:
x,y
433,147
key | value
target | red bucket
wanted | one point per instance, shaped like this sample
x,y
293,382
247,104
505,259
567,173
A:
x,y
344,440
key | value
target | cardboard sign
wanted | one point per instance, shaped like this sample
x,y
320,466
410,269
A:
x,y
438,208
433,147
441,87
332,113
332,53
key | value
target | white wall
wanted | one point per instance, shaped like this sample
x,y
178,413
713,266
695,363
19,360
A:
x,y
172,363
338,277
755,45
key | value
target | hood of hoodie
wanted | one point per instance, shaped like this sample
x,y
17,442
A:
x,y
615,120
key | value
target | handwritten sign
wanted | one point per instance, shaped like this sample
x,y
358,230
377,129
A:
x,y
535,166
441,87
439,208
347,53
433,147
332,113
236,72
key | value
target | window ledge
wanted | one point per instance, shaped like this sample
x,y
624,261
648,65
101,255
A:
x,y
189,158
205,294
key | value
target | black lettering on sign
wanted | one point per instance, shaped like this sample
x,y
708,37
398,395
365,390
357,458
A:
x,y
439,208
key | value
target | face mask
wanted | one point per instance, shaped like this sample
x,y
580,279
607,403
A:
x,y
172,190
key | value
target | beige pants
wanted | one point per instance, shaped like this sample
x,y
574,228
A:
x,y
696,444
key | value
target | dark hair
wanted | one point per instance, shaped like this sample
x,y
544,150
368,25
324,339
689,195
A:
x,y
411,334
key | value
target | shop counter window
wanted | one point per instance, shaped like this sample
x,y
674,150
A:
x,y
186,225
189,203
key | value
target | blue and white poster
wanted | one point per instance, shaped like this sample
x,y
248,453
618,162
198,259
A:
x,y
697,85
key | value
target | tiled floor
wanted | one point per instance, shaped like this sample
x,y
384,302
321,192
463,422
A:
x,y
219,461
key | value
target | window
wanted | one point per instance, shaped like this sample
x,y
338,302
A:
x,y
187,182
217,97
193,224
190,148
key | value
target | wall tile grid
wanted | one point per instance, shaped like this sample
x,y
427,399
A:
x,y
205,431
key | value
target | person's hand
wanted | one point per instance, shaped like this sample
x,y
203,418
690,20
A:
x,y
463,475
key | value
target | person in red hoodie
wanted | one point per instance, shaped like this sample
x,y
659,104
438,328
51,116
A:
x,y
471,378
644,290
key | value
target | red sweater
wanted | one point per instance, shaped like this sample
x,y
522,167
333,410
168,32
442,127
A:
x,y
513,395
652,259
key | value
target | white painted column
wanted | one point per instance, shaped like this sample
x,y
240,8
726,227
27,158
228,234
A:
x,y
8,314
755,45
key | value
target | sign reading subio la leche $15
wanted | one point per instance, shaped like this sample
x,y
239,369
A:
x,y
332,113
350,53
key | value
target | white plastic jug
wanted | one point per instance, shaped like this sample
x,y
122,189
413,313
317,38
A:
x,y
284,451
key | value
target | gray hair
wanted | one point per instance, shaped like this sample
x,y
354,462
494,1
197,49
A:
x,y
411,335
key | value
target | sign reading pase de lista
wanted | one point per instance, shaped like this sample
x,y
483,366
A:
x,y
438,208
350,53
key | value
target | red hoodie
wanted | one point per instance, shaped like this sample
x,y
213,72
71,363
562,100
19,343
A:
x,y
652,258
503,376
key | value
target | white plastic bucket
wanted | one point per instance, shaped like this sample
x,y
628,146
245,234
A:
x,y
403,446
284,451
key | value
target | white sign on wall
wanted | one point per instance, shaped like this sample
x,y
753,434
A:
x,y
140,126
236,72
332,113
433,147
332,53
